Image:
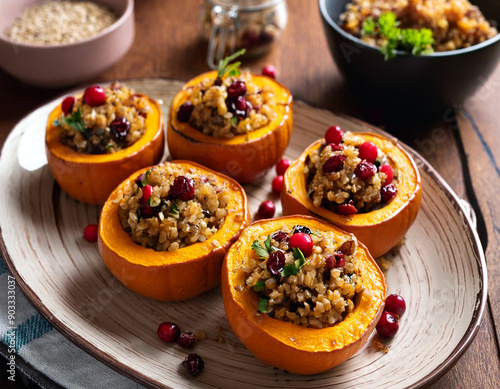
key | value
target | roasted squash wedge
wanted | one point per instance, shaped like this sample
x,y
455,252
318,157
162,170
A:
x,y
244,157
298,349
91,178
380,230
180,274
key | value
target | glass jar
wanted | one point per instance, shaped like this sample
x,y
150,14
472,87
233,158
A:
x,y
232,25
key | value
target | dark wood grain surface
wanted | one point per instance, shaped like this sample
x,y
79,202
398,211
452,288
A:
x,y
466,151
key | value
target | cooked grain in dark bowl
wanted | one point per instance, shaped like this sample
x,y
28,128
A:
x,y
399,81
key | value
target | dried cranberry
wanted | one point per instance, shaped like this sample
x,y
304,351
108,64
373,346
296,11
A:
x,y
277,184
387,170
94,96
303,242
334,164
347,208
90,233
194,364
148,211
275,263
218,81
239,107
280,236
139,180
388,192
182,188
270,71
304,229
335,260
168,332
266,209
340,259
368,151
388,325
334,135
185,111
120,127
396,304
67,105
237,88
335,147
282,166
186,339
330,261
365,170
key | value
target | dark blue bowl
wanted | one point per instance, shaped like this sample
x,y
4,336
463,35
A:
x,y
410,84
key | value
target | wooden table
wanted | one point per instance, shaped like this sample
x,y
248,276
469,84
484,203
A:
x,y
465,151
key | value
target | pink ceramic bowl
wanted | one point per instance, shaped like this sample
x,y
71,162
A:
x,y
63,65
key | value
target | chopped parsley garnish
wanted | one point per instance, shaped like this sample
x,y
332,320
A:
x,y
259,286
234,121
225,68
263,305
263,251
75,121
410,40
174,211
293,268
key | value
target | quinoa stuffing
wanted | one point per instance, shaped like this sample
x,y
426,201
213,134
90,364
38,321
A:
x,y
454,24
103,120
306,277
170,207
350,176
230,104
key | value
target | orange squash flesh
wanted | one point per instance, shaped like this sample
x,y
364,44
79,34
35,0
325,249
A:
x,y
244,157
177,275
91,178
285,345
379,230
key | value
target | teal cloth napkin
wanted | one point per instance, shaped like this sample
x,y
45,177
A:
x,y
31,337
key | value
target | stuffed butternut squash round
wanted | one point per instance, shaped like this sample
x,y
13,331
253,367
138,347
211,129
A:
x,y
239,125
301,294
164,231
94,141
363,183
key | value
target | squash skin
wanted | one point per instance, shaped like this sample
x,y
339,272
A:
x,y
170,276
285,345
91,178
246,157
379,230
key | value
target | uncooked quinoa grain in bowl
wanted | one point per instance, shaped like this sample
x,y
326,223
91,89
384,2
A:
x,y
53,22
170,207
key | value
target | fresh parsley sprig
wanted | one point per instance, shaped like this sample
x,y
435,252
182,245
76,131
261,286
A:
x,y
410,40
75,121
230,69
263,251
174,211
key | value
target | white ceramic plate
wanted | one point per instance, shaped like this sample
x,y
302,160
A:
x,y
440,271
